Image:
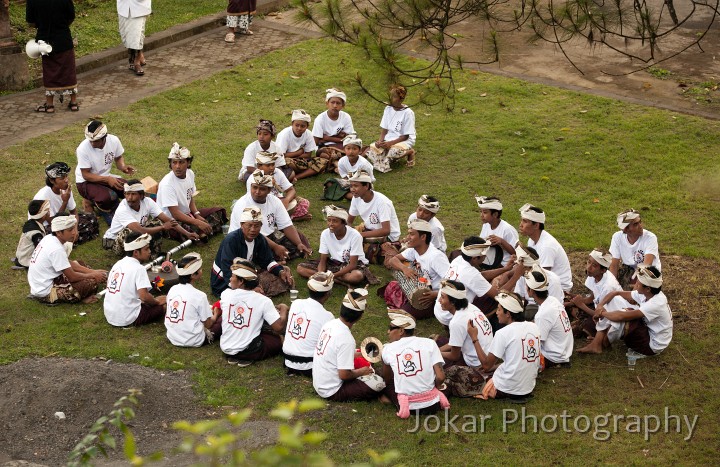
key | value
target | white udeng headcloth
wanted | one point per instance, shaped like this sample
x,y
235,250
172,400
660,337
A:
x,y
527,213
134,188
478,249
332,92
401,318
485,202
99,132
509,302
425,203
352,139
300,114
448,289
178,153
603,259
647,278
625,217
357,304
321,282
192,267
44,209
140,242
335,211
62,222
419,225
539,283
360,176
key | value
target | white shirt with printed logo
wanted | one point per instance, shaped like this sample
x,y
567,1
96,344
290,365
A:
x,y
125,215
412,360
553,256
122,301
518,345
342,250
324,125
99,161
634,254
243,312
475,285
459,336
287,141
305,320
438,232
335,350
56,201
505,231
186,310
433,264
399,123
380,209
47,262
555,332
274,214
173,191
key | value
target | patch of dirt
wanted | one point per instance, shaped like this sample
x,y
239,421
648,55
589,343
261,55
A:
x,y
33,389
686,83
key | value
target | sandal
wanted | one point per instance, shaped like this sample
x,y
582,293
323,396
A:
x,y
138,70
73,106
410,163
246,32
230,37
45,108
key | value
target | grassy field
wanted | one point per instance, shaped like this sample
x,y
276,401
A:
x,y
581,158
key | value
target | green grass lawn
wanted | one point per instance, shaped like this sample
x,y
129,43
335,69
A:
x,y
581,158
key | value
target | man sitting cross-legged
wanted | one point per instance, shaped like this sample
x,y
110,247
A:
x,y
307,316
647,329
249,244
334,374
412,369
137,213
128,300
52,276
189,319
631,246
341,251
245,338
175,197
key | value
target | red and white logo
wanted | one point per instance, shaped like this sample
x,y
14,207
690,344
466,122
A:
x,y
323,342
483,324
299,325
114,282
530,348
239,316
176,310
409,362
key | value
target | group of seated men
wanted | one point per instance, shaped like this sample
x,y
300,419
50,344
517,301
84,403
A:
x,y
498,299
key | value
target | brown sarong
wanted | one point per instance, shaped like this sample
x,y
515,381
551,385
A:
x,y
59,72
637,336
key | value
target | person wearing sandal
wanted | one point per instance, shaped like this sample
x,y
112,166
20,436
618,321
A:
x,y
132,15
240,14
52,18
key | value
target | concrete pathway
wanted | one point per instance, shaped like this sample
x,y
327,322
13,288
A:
x,y
113,86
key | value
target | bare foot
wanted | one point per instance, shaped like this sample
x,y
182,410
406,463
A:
x,y
589,349
90,299
385,399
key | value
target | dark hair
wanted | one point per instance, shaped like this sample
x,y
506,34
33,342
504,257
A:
x,y
315,295
428,236
34,206
657,274
94,125
473,240
248,284
349,314
541,294
49,181
131,237
184,279
409,332
133,182
458,303
533,252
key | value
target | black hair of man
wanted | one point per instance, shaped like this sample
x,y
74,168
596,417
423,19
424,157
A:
x,y
131,237
34,206
472,240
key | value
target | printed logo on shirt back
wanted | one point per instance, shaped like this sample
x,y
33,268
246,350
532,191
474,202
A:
x,y
114,282
530,349
409,362
35,254
176,312
299,325
239,316
483,324
323,342
565,321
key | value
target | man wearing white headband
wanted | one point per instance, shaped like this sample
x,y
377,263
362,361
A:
x,y
632,246
57,190
33,232
265,130
189,318
600,282
341,251
331,126
176,197
297,207
427,209
517,344
288,245
552,255
339,188
335,376
459,349
96,155
128,301
53,278
138,213
496,230
515,280
419,262
374,208
646,326
556,337
247,242
307,317
296,142
397,137
465,268
412,369
243,339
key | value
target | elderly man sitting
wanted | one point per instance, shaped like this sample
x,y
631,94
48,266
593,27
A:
x,y
52,276
247,243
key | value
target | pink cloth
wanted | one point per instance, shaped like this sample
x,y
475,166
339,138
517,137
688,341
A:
x,y
404,401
